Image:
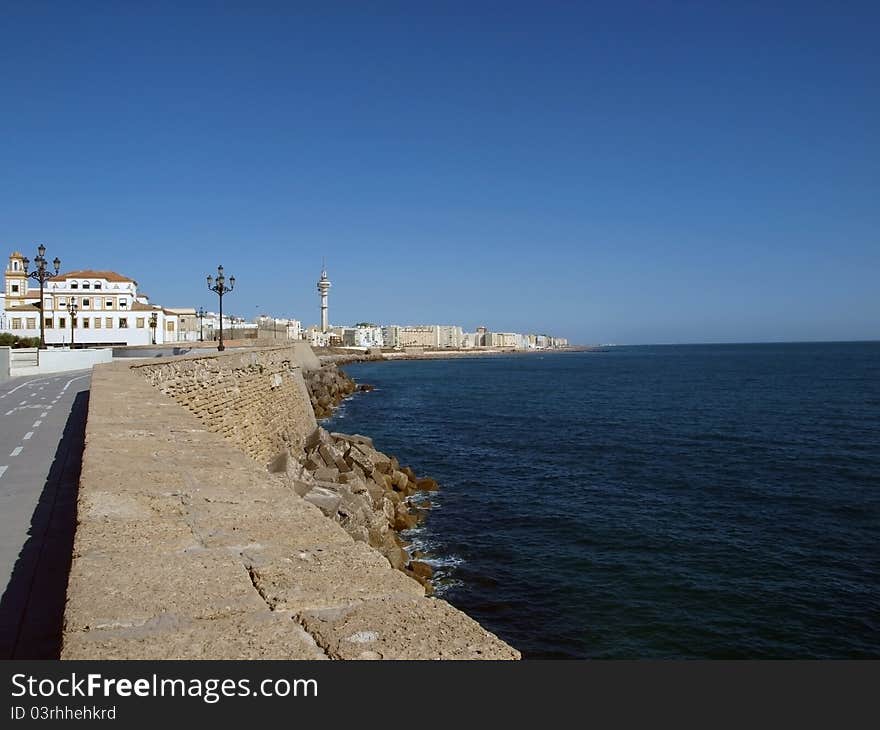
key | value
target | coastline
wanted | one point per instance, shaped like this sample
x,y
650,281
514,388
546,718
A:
x,y
342,356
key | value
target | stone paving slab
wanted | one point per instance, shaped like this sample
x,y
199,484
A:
x,y
262,635
326,577
403,628
128,588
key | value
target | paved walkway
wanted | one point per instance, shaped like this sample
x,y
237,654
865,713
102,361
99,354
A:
x,y
42,425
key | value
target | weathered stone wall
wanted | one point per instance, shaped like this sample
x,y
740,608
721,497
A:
x,y
188,548
255,398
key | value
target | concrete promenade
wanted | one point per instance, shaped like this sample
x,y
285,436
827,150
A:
x,y
42,424
187,547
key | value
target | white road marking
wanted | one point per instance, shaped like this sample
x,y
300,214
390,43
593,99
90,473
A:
x,y
44,414
27,436
3,471
36,424
16,451
9,413
22,403
78,377
29,382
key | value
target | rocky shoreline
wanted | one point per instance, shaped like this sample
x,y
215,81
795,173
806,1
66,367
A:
x,y
366,491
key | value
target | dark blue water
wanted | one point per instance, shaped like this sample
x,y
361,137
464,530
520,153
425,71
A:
x,y
686,501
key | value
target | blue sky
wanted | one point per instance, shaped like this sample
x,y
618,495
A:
x,y
626,172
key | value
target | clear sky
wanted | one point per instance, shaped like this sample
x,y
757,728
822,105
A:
x,y
624,172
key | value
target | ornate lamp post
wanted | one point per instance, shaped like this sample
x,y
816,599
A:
x,y
221,288
201,315
71,308
153,323
42,275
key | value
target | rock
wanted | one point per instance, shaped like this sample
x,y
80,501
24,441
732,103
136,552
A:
x,y
355,438
410,474
376,493
326,474
426,484
324,499
404,520
421,569
340,464
399,481
366,388
397,557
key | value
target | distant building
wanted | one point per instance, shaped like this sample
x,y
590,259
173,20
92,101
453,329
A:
x,y
316,338
109,309
367,335
391,336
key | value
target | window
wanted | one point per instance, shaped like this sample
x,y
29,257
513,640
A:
x,y
123,303
15,265
86,285
97,323
123,323
108,304
62,322
109,322
85,323
49,321
15,288
169,326
85,302
139,323
74,285
31,323
97,285
62,301
16,323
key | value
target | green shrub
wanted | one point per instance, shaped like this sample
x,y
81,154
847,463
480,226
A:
x,y
7,339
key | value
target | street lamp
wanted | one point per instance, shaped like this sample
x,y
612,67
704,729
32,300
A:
x,y
221,288
153,322
42,275
201,315
71,308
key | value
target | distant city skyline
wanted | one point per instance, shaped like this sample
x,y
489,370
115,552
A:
x,y
629,173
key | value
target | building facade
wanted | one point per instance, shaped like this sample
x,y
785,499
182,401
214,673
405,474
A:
x,y
87,307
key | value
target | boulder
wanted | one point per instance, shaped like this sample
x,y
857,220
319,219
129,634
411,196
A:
x,y
326,474
410,474
426,484
324,499
420,569
354,438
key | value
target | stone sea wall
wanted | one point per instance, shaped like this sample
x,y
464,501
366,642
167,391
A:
x,y
255,398
188,546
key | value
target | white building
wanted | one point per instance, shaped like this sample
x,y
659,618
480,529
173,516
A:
x,y
391,336
279,327
109,309
368,336
316,338
449,336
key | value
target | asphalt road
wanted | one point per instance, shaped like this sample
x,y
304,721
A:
x,y
42,424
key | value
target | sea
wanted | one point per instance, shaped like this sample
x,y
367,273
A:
x,y
698,501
